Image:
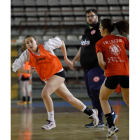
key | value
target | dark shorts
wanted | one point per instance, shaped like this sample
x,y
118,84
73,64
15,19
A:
x,y
112,81
24,79
61,74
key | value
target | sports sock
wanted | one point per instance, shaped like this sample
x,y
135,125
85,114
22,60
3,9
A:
x,y
83,108
24,99
88,111
28,98
109,120
51,116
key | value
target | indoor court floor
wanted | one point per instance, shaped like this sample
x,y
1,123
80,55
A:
x,y
26,122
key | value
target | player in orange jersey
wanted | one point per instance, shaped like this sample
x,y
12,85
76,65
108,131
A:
x,y
43,60
25,80
113,60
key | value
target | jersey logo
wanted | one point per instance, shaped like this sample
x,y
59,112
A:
x,y
93,32
85,43
114,49
96,79
39,59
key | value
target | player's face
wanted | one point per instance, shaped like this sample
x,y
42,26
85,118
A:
x,y
102,31
31,44
92,19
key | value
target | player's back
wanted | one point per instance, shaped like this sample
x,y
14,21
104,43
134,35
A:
x,y
113,48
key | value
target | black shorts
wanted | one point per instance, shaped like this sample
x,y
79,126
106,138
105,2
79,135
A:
x,y
24,79
61,74
112,81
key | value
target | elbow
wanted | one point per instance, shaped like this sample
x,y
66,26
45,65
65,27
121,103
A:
x,y
13,68
100,63
62,43
17,70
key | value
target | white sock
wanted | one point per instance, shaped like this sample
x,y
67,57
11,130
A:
x,y
51,116
84,108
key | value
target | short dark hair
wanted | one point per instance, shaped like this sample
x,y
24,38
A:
x,y
92,10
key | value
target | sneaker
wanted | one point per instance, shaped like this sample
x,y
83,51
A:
x,y
112,131
20,102
114,117
95,118
91,125
49,125
25,103
29,102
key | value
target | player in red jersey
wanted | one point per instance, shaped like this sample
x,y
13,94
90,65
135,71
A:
x,y
113,60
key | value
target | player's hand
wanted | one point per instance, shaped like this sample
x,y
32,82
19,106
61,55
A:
x,y
32,69
70,63
73,64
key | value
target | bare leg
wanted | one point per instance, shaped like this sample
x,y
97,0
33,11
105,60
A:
x,y
51,85
64,93
104,95
125,94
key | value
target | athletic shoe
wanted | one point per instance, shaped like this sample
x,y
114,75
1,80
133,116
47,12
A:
x,y
112,131
91,125
22,103
95,118
25,103
29,102
49,125
114,117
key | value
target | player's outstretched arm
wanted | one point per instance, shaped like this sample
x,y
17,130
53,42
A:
x,y
76,58
63,48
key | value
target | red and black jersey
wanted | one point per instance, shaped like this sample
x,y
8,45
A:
x,y
114,53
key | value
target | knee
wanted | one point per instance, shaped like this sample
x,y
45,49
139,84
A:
x,y
45,94
102,97
69,99
126,100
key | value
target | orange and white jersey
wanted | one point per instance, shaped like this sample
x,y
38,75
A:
x,y
26,67
49,46
45,64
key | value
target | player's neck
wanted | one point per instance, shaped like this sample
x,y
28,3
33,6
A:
x,y
106,34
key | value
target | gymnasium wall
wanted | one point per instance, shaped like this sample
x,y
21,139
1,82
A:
x,y
46,19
